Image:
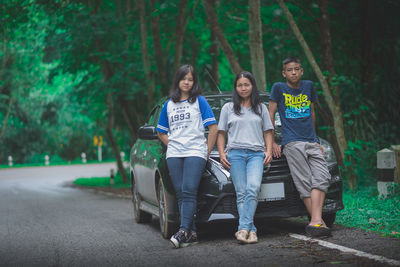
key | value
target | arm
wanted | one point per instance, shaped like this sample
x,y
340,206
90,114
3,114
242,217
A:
x,y
212,137
314,123
276,149
221,139
163,137
268,139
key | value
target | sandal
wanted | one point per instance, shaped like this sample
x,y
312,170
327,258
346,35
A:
x,y
317,230
242,235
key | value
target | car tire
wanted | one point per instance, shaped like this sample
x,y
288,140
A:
x,y
329,218
140,215
167,228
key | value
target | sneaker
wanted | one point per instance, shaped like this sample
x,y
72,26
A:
x,y
191,240
318,230
241,236
178,238
252,239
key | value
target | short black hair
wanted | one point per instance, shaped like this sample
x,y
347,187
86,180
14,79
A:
x,y
290,60
180,74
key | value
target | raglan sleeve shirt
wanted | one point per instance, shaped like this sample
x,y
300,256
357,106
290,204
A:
x,y
163,125
207,115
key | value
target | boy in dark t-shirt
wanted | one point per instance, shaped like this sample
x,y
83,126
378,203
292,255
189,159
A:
x,y
294,101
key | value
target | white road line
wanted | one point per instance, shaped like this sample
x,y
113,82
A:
x,y
348,250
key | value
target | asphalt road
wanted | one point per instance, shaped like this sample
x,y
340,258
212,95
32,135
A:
x,y
43,222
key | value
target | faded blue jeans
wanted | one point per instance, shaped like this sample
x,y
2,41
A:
x,y
246,172
186,175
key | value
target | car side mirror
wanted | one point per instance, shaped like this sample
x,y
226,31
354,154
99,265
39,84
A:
x,y
147,132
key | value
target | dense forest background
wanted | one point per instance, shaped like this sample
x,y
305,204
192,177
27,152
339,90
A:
x,y
72,70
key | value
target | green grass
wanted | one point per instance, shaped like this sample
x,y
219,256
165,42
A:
x,y
102,182
58,163
364,209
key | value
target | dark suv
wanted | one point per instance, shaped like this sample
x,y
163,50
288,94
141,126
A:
x,y
153,193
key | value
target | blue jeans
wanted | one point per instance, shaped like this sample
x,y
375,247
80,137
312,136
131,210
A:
x,y
246,172
186,175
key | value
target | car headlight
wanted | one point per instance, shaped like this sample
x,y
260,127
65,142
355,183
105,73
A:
x,y
329,152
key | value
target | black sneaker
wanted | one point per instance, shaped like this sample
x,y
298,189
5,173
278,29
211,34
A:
x,y
179,238
191,240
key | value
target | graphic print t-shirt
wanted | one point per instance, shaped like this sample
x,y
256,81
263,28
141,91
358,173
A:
x,y
185,124
294,107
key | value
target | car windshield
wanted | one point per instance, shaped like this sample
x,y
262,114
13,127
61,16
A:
x,y
216,103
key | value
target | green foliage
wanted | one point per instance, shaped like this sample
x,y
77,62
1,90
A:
x,y
102,182
363,209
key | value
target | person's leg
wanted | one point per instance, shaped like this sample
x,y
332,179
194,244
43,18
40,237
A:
x,y
254,171
192,172
238,174
175,167
319,182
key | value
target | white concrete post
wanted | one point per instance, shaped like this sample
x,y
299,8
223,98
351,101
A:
x,y
10,161
99,152
46,160
386,163
122,154
83,155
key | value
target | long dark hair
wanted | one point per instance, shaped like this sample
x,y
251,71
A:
x,y
175,94
255,98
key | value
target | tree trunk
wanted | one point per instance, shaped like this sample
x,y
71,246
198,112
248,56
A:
x,y
179,32
158,52
145,53
110,135
108,73
367,45
214,51
217,31
128,119
256,45
334,108
5,122
328,64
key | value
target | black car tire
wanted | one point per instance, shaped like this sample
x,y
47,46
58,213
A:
x,y
329,218
167,228
140,215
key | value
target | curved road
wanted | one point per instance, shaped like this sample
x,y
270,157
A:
x,y
44,222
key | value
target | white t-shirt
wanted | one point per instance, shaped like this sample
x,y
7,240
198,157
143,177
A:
x,y
185,124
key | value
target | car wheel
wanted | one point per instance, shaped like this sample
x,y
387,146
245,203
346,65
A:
x,y
140,216
329,218
167,228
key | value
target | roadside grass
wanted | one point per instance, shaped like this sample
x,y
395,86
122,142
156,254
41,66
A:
x,y
102,182
364,209
57,163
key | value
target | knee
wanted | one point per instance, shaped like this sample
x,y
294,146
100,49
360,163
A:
x,y
253,189
240,195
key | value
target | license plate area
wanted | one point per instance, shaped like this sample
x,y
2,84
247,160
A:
x,y
272,192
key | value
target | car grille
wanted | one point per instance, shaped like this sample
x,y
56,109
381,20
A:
x,y
228,205
278,167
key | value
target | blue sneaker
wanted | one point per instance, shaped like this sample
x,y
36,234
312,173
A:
x,y
191,240
180,237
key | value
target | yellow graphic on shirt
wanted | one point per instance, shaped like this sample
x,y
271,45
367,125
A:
x,y
297,106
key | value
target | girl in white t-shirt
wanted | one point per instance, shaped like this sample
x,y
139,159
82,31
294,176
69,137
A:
x,y
181,127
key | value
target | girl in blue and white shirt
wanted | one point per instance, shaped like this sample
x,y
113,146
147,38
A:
x,y
181,127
